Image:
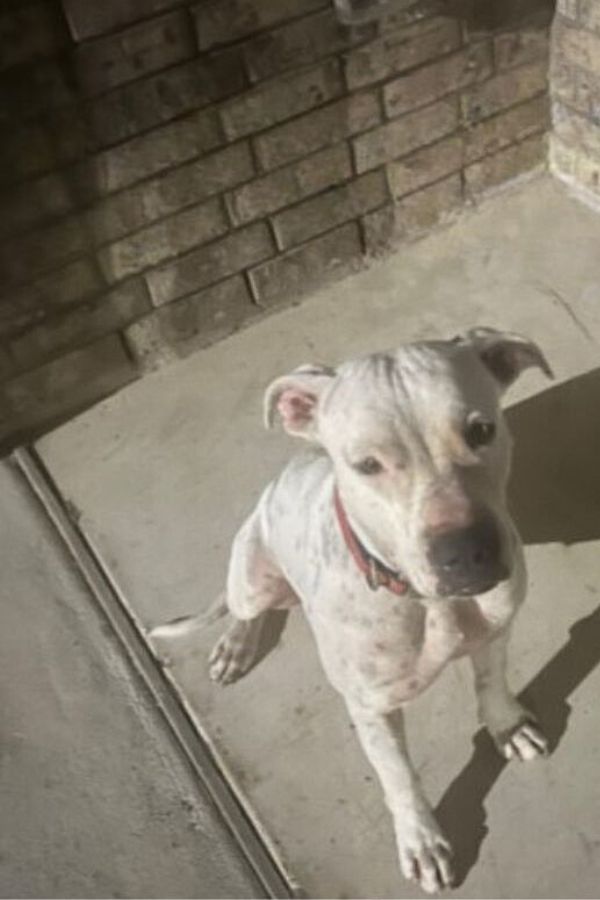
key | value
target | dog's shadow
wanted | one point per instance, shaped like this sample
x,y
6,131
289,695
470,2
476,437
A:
x,y
555,497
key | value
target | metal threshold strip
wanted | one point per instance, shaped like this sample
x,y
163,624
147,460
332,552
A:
x,y
248,834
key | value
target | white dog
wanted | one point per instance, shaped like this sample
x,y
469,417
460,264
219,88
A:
x,y
393,534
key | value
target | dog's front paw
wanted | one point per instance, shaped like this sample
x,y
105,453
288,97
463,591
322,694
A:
x,y
524,741
514,729
425,854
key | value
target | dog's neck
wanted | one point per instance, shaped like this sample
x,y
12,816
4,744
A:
x,y
377,573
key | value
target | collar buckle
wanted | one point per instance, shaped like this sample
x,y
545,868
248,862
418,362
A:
x,y
373,574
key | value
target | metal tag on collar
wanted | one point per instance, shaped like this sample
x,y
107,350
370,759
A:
x,y
373,574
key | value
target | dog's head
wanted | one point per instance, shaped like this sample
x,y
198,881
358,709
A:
x,y
420,450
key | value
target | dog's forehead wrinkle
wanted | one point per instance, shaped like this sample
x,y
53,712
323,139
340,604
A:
x,y
409,402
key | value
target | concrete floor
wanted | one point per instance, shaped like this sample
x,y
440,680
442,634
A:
x,y
163,473
96,799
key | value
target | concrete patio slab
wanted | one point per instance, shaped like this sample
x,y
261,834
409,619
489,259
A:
x,y
97,800
163,474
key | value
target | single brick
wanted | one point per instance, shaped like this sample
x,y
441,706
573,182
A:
x,y
290,184
568,8
484,20
506,128
278,100
297,43
88,18
413,215
400,16
223,21
121,213
402,50
335,206
582,48
7,364
515,48
576,131
317,129
63,387
25,152
68,329
186,325
507,164
431,82
35,202
25,257
210,263
32,148
425,166
399,137
24,306
151,153
504,90
575,164
564,83
293,274
169,237
68,134
577,88
419,211
588,14
152,101
145,48
34,30
379,230
34,90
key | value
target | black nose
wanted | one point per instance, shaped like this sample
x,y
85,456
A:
x,y
468,560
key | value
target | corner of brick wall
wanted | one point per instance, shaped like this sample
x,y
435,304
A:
x,y
174,169
575,94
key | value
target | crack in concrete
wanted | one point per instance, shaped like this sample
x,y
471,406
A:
x,y
564,304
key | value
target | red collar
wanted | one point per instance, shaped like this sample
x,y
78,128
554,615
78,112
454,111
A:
x,y
376,573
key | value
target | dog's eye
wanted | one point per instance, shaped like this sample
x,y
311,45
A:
x,y
368,466
479,433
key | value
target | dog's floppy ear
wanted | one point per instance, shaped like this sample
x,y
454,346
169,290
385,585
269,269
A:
x,y
295,397
506,355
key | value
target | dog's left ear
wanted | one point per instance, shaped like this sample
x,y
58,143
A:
x,y
295,397
506,355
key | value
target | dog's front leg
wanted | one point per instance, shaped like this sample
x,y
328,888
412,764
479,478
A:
x,y
513,729
425,855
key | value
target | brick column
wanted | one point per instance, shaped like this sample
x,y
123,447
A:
x,y
575,91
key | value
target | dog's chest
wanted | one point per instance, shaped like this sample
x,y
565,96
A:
x,y
386,653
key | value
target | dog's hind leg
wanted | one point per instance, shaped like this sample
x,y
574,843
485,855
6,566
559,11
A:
x,y
255,588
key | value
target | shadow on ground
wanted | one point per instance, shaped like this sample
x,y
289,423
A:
x,y
554,492
555,497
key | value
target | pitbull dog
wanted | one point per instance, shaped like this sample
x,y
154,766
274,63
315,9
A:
x,y
393,534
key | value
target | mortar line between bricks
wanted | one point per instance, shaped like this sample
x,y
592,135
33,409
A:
x,y
283,23
140,19
190,737
411,70
233,228
86,208
247,270
461,128
67,167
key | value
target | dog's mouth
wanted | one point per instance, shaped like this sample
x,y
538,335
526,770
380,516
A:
x,y
475,588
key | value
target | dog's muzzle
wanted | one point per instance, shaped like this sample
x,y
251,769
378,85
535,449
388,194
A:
x,y
468,560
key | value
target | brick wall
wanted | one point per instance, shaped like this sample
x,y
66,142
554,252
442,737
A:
x,y
171,170
575,144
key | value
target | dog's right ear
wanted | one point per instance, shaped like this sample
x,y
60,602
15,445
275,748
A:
x,y
295,397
